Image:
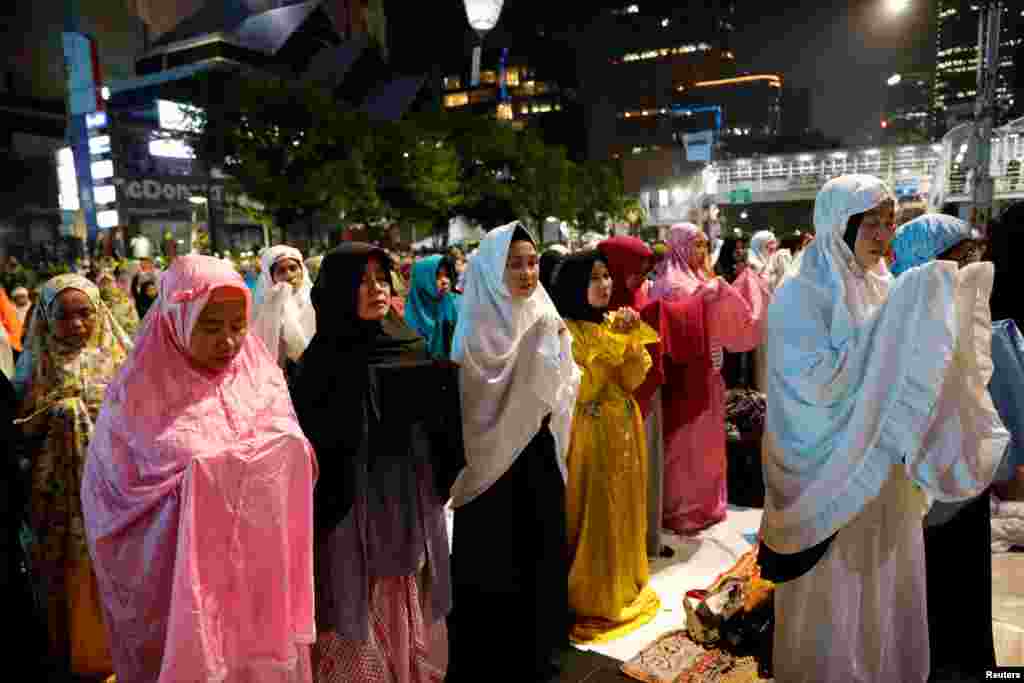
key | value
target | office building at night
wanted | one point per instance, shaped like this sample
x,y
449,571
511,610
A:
x,y
956,61
908,116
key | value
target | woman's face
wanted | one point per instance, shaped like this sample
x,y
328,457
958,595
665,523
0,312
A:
x,y
460,265
699,255
288,270
374,291
771,247
874,235
521,269
739,252
219,333
21,299
443,281
74,317
599,293
636,280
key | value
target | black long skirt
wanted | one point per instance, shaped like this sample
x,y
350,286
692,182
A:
x,y
958,564
510,574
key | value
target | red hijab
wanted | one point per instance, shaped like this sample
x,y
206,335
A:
x,y
626,256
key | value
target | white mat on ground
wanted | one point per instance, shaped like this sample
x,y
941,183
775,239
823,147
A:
x,y
698,561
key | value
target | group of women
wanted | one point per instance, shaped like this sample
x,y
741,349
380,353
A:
x,y
216,504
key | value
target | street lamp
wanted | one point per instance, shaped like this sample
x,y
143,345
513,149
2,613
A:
x,y
895,79
483,16
897,6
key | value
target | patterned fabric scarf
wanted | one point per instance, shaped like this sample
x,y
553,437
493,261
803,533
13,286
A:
x,y
67,384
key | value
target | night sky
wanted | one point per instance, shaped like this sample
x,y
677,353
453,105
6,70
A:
x,y
843,51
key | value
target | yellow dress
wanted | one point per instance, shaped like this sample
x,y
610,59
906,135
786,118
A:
x,y
606,494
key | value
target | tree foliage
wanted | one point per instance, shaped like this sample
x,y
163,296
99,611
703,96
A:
x,y
303,157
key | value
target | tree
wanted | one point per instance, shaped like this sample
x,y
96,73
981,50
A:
x,y
602,197
291,148
419,173
544,181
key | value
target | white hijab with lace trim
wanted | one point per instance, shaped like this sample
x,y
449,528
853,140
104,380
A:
x,y
515,368
282,316
868,373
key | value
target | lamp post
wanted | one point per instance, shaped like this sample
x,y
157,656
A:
x,y
483,16
989,22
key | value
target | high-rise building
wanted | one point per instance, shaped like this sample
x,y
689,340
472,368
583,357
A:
x,y
637,58
956,60
908,109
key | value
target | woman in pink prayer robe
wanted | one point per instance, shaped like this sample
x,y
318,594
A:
x,y
697,315
198,496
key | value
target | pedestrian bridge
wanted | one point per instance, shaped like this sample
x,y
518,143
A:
x,y
911,170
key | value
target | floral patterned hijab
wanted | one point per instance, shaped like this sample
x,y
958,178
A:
x,y
53,366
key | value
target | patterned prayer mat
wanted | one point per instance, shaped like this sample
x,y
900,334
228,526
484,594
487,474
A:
x,y
675,658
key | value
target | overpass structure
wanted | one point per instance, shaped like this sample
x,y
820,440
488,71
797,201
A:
x,y
937,172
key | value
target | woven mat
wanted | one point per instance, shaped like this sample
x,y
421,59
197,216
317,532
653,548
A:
x,y
675,658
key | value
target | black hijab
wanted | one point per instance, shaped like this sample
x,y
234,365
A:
x,y
332,382
549,260
572,284
726,265
143,302
1005,243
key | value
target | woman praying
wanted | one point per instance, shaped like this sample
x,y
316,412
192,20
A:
x,y
283,317
606,492
382,580
698,315
75,349
430,308
872,380
198,496
960,632
629,261
518,385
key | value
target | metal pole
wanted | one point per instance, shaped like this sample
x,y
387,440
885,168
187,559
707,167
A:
x,y
989,21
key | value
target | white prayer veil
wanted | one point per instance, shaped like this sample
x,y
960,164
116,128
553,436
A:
x,y
283,317
515,369
758,256
866,373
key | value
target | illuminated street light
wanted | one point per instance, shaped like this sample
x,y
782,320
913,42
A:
x,y
894,79
897,6
483,16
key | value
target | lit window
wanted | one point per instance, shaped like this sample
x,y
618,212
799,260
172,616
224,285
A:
x,y
107,219
505,112
632,9
102,170
489,77
457,100
452,83
512,77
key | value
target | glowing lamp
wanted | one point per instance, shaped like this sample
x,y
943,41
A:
x,y
483,16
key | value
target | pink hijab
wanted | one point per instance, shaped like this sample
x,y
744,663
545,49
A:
x,y
198,502
674,275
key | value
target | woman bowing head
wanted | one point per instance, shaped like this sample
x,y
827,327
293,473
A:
x,y
200,482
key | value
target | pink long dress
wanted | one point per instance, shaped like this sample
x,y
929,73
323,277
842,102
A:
x,y
698,317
